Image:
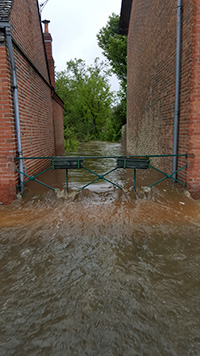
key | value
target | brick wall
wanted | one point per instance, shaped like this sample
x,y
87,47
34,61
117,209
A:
x,y
58,125
48,46
7,133
26,30
151,82
36,115
185,85
193,176
151,73
41,117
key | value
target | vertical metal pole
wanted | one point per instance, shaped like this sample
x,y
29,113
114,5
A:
x,y
67,187
16,106
134,179
177,88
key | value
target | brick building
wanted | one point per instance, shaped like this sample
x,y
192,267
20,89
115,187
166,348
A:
x,y
152,27
31,113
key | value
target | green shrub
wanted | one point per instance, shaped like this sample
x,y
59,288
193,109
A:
x,y
70,139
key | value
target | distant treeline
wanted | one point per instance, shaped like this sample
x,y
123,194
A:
x,y
91,110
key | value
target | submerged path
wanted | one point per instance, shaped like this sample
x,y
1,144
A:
x,y
101,271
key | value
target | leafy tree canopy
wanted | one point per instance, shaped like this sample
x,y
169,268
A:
x,y
114,48
87,98
89,111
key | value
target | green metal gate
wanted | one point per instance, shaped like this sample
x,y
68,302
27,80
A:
x,y
121,162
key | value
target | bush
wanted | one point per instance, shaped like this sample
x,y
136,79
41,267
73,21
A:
x,y
70,139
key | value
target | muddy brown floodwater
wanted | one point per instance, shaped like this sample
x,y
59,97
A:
x,y
101,271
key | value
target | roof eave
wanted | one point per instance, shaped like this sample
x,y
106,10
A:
x,y
125,17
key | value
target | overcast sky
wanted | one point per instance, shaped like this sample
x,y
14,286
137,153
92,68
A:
x,y
74,25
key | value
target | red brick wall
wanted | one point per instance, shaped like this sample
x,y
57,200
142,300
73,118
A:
x,y
151,76
48,46
151,82
41,119
26,30
7,133
58,125
193,177
185,87
36,115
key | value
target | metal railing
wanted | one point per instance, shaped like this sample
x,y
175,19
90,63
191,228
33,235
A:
x,y
122,162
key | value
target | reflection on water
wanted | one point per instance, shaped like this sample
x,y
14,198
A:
x,y
102,271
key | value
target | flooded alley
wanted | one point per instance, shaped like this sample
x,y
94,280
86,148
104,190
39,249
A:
x,y
101,271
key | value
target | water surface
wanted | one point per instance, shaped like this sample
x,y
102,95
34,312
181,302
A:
x,y
101,271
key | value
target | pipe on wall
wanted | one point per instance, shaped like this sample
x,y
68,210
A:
x,y
177,87
16,106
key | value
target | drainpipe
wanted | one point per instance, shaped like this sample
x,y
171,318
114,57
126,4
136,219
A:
x,y
16,106
177,87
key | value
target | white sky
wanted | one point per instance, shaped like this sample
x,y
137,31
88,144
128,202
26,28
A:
x,y
74,25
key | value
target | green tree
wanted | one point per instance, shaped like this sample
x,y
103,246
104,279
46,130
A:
x,y
114,48
87,98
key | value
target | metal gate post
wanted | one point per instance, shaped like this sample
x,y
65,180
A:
x,y
135,179
67,188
